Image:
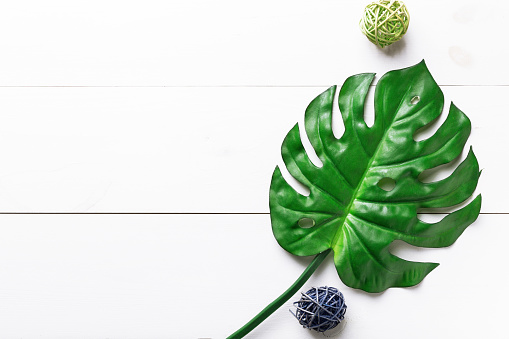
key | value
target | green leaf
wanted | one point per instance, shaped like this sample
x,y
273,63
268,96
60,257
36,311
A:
x,y
350,213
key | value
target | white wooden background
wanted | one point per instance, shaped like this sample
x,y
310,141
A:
x,y
137,142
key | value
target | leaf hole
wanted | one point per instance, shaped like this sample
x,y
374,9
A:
x,y
428,130
409,252
435,214
432,215
338,126
306,223
415,100
387,184
369,107
294,183
440,172
310,151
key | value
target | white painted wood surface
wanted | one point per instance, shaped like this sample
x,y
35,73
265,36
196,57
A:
x,y
231,42
179,149
174,276
181,107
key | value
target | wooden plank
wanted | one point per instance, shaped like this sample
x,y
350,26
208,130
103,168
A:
x,y
227,42
203,276
180,149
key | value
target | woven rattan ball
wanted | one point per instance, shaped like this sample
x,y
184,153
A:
x,y
385,22
320,308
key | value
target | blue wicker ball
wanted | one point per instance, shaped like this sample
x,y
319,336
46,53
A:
x,y
320,308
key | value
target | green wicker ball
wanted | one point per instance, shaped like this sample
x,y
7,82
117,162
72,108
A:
x,y
385,22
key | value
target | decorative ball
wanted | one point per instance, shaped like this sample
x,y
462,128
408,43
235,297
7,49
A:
x,y
385,22
320,308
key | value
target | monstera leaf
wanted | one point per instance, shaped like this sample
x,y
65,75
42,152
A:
x,y
348,210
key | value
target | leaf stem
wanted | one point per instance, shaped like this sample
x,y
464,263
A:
x,y
277,303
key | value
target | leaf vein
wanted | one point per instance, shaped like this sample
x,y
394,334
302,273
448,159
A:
x,y
406,162
366,249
